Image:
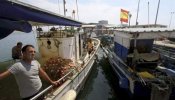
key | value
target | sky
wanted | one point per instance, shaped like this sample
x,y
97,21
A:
x,y
92,11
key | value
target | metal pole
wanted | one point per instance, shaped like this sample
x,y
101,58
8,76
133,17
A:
x,y
77,9
137,12
73,14
64,3
148,12
157,12
59,6
171,18
129,18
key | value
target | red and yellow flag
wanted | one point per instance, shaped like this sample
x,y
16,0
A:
x,y
124,15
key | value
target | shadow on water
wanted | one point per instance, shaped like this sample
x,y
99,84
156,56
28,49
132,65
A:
x,y
85,91
113,81
96,86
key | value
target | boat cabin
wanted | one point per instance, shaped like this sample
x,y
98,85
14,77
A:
x,y
61,42
134,45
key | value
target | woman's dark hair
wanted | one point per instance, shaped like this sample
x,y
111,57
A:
x,y
26,46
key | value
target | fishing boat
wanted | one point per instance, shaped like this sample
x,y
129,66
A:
x,y
137,67
166,48
61,50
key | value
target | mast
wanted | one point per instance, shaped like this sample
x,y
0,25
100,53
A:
x,y
171,18
137,12
59,6
157,12
148,12
77,9
64,5
73,14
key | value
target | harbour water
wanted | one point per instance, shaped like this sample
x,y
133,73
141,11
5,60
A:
x,y
102,83
97,86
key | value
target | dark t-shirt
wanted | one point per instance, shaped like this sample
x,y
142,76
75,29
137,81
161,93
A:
x,y
16,52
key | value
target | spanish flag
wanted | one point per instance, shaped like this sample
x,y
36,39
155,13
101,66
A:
x,y
124,15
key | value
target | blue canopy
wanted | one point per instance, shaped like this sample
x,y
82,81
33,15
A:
x,y
16,15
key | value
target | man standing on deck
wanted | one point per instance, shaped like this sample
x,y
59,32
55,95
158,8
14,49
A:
x,y
16,51
27,72
90,46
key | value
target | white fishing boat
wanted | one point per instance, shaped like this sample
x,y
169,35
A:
x,y
61,50
66,60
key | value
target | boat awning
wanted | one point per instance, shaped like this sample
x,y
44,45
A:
x,y
16,15
16,10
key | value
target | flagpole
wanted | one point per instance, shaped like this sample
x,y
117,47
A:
x,y
129,18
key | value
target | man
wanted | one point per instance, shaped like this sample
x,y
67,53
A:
x,y
27,72
90,46
16,51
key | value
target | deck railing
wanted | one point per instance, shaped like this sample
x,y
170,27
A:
x,y
50,87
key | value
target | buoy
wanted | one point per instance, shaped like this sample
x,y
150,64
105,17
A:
x,y
70,95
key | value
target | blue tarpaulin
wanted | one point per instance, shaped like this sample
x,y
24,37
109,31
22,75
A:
x,y
15,12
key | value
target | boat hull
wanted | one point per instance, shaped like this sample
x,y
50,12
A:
x,y
77,83
134,88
